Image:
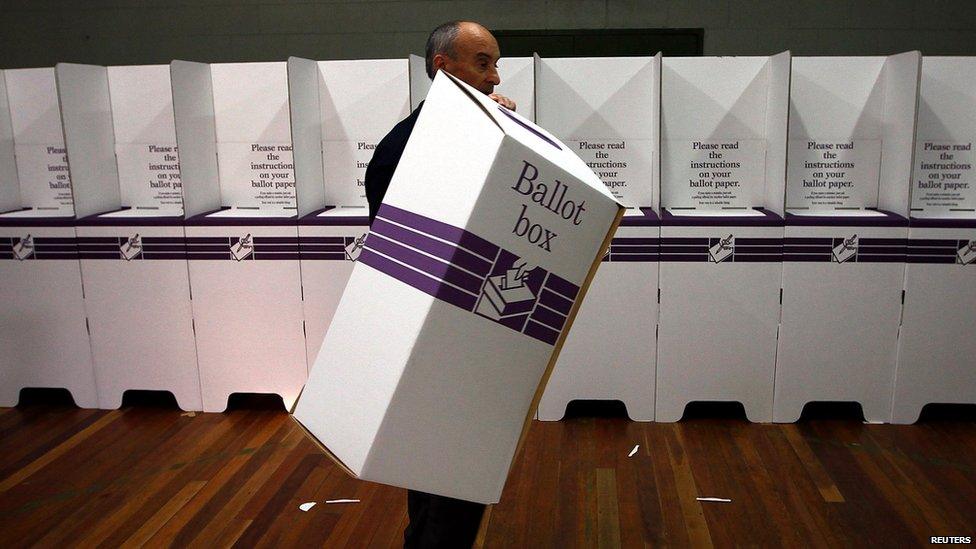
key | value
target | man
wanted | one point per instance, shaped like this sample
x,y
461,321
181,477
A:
x,y
469,52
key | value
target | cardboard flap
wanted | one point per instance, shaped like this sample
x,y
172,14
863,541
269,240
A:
x,y
306,133
10,198
196,132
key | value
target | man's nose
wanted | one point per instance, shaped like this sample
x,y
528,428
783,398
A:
x,y
493,77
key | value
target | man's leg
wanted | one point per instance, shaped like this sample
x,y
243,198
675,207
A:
x,y
441,521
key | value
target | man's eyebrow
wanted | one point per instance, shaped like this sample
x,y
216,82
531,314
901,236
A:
x,y
481,54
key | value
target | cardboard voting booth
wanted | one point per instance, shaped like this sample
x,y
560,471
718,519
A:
x,y
723,160
936,348
44,337
852,123
461,298
340,112
238,180
607,110
121,141
517,82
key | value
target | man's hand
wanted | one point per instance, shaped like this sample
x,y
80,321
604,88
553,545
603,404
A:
x,y
503,101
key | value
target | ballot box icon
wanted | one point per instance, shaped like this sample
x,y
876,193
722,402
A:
x,y
506,295
24,248
967,253
243,248
721,250
845,250
131,248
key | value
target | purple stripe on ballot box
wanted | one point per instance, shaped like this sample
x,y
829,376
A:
x,y
534,131
540,332
499,290
421,282
931,260
334,256
457,256
322,240
424,263
562,287
440,230
548,317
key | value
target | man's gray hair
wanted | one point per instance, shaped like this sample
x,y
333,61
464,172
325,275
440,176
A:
x,y
441,40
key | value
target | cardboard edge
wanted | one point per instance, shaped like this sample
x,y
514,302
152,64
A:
x,y
540,389
467,92
318,444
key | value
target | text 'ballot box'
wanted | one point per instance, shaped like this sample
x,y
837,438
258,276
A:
x,y
469,280
608,111
44,336
852,120
723,157
232,127
936,348
120,137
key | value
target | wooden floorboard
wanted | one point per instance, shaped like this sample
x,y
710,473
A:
x,y
154,477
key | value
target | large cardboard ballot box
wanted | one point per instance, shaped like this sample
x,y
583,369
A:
x,y
233,130
723,160
608,110
852,123
121,140
340,110
452,319
936,349
43,334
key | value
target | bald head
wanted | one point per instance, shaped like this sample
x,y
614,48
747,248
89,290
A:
x,y
467,51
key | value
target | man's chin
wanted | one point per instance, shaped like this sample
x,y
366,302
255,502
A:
x,y
487,91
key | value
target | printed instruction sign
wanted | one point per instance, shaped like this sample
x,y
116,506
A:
x,y
944,177
260,175
45,182
345,164
714,174
149,175
828,174
624,166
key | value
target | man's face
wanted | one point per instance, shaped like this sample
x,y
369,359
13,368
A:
x,y
476,57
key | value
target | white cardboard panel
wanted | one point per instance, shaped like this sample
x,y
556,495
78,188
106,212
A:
x,y
10,198
86,111
777,129
419,81
140,320
44,340
35,117
145,137
248,318
254,152
721,104
193,112
360,102
718,324
603,109
936,347
323,282
944,179
306,133
902,73
839,329
611,352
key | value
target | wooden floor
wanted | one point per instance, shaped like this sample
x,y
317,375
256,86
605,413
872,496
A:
x,y
150,475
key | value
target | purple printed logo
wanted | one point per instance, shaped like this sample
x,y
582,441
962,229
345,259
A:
x,y
24,248
131,248
507,295
243,248
721,249
354,247
967,253
845,249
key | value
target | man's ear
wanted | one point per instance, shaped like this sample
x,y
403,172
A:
x,y
439,62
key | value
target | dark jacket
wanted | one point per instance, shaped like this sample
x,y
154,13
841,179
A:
x,y
385,159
